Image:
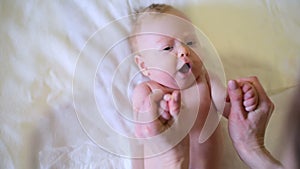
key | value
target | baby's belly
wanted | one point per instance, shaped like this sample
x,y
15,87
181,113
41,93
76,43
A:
x,y
201,155
196,102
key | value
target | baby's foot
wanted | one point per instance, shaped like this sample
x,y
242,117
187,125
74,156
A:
x,y
250,97
173,102
157,117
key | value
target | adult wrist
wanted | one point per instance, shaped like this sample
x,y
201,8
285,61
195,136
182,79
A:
x,y
256,156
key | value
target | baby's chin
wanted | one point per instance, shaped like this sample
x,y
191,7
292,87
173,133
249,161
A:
x,y
186,85
171,85
179,84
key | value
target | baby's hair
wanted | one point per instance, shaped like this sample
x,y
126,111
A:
x,y
153,8
139,13
160,8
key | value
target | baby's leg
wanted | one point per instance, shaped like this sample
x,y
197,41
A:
x,y
250,98
175,158
205,155
165,112
178,156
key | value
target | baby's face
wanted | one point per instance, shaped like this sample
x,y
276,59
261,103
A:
x,y
166,51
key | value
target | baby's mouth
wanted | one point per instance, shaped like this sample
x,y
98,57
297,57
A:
x,y
185,68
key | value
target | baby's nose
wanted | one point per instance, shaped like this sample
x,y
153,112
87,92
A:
x,y
183,51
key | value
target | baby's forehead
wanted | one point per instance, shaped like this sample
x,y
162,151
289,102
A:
x,y
164,24
161,38
170,15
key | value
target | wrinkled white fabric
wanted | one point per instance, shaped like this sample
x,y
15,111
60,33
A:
x,y
41,43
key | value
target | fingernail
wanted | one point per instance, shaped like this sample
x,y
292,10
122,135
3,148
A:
x,y
232,85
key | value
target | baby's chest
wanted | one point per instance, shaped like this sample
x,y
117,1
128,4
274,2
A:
x,y
196,98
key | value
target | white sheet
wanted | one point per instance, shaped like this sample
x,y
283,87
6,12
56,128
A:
x,y
40,45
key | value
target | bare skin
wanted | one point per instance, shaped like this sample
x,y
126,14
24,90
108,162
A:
x,y
177,76
247,129
165,105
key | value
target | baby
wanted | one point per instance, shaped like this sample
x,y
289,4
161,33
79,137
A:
x,y
178,84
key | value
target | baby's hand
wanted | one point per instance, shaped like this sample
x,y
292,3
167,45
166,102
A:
x,y
250,97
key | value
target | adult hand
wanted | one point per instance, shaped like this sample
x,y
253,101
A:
x,y
247,129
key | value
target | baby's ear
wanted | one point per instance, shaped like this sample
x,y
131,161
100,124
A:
x,y
141,64
139,61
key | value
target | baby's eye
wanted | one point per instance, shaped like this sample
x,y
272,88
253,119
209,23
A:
x,y
168,48
190,43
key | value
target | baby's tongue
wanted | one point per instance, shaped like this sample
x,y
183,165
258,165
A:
x,y
185,68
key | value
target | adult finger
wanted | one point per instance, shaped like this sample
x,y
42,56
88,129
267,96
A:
x,y
236,99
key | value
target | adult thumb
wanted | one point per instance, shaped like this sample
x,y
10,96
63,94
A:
x,y
236,99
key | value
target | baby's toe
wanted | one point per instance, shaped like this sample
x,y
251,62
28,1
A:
x,y
249,102
250,108
246,87
249,94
